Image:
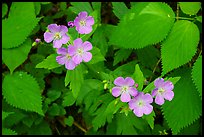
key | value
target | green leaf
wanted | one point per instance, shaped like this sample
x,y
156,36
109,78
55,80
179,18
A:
x,y
186,106
75,78
96,56
5,114
196,75
16,56
121,55
138,77
53,94
150,119
37,7
6,131
4,9
68,99
119,9
78,7
199,18
63,5
54,110
180,45
191,8
19,25
42,129
146,23
49,63
24,93
69,121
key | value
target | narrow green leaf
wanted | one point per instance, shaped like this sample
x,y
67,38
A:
x,y
119,9
121,55
186,106
146,23
6,131
14,57
196,75
49,63
180,45
4,9
24,93
191,8
199,18
138,77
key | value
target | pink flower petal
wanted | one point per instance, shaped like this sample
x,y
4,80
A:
x,y
61,59
70,65
77,59
154,92
116,91
48,37
159,82
119,81
89,21
168,95
72,50
82,15
86,56
125,97
54,28
129,81
78,42
168,85
87,46
64,39
159,99
62,51
57,44
132,104
84,29
147,109
133,91
63,29
138,112
147,98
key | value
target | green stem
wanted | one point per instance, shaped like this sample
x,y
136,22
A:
x,y
185,18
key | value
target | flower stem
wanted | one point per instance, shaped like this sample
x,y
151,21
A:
x,y
155,68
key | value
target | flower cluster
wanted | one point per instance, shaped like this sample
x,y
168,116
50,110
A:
x,y
140,103
77,52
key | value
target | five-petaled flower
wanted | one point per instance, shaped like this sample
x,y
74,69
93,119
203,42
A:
x,y
124,87
79,51
141,104
162,91
57,34
65,58
83,23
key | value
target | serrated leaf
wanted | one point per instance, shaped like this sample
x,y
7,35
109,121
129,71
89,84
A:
x,y
196,75
69,121
78,7
146,23
16,56
4,9
121,55
186,105
191,8
138,77
96,56
5,114
6,131
19,25
180,45
49,63
24,92
119,9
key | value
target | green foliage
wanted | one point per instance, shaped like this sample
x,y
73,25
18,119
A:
x,y
69,121
49,63
119,9
180,45
138,77
81,6
53,94
139,27
196,75
40,129
24,92
37,7
121,55
24,24
16,56
68,99
191,8
6,131
6,114
199,18
4,9
96,56
186,104
150,119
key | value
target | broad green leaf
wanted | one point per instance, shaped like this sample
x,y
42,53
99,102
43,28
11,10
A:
x,y
196,75
138,77
37,7
180,45
119,9
53,94
49,63
24,93
78,7
19,25
68,99
121,55
14,57
4,9
191,8
6,131
76,79
5,114
54,110
96,56
146,23
69,121
97,6
186,106
63,5
150,119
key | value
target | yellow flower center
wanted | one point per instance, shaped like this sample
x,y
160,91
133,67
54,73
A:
x,y
140,103
68,56
161,90
57,35
80,51
124,88
82,23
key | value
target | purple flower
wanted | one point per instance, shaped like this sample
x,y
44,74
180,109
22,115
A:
x,y
79,51
57,34
83,23
141,104
162,91
70,24
65,58
125,88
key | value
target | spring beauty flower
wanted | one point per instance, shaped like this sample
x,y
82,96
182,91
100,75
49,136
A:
x,y
57,34
79,51
83,23
162,91
124,87
65,58
141,104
